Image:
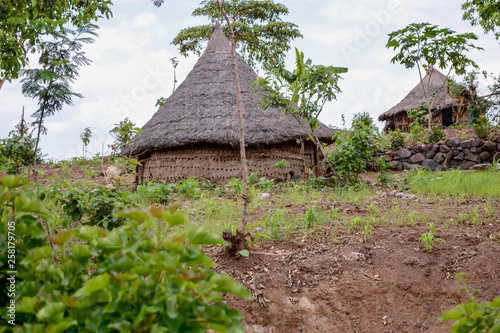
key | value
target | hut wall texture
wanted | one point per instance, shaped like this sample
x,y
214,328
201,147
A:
x,y
219,164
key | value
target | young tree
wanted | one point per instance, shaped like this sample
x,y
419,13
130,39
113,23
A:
x,y
50,85
427,46
260,33
25,25
303,93
85,136
485,13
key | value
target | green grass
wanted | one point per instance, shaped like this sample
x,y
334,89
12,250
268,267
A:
x,y
455,183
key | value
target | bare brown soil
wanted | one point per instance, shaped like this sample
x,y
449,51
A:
x,y
389,284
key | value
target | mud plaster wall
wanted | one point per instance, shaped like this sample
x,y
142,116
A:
x,y
219,164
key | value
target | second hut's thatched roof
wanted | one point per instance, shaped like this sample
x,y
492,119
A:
x,y
203,108
433,83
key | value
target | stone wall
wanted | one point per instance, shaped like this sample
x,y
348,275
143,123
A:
x,y
453,153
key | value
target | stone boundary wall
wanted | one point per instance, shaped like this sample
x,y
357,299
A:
x,y
453,153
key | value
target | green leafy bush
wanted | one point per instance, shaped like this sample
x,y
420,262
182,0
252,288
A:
x,y
396,139
482,127
277,227
124,280
473,316
152,192
436,134
189,188
353,150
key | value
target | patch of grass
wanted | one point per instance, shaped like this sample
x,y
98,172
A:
x,y
455,182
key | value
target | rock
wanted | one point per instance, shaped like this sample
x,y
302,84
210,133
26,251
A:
x,y
399,195
496,157
439,157
404,153
484,155
417,149
455,152
453,143
466,144
496,139
388,158
498,148
426,147
417,158
435,147
473,149
482,166
466,150
397,158
466,165
111,173
460,157
444,149
430,154
431,164
408,166
396,165
490,146
476,143
473,157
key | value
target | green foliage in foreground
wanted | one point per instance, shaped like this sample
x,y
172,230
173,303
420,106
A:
x,y
455,182
473,316
124,280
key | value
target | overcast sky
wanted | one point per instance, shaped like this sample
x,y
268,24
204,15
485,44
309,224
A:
x,y
131,69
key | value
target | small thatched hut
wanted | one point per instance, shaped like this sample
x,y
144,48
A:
x,y
195,132
443,109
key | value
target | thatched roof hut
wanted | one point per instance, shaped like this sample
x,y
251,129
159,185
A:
x,y
433,83
201,117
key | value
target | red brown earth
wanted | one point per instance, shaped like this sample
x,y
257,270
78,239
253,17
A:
x,y
389,284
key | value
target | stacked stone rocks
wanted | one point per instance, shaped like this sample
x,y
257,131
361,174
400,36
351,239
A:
x,y
453,153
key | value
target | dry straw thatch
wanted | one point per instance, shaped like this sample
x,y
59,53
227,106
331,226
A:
x,y
203,108
433,84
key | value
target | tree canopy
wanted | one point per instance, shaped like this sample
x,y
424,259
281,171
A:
x,y
485,13
23,23
262,36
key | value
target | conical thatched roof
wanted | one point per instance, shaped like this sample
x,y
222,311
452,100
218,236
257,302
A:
x,y
203,108
433,83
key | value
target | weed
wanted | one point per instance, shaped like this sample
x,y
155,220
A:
x,y
474,216
356,223
428,239
189,188
412,218
277,227
311,217
368,232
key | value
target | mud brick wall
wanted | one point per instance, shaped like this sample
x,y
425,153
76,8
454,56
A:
x,y
453,153
219,163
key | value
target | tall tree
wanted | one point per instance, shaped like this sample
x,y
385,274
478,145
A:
x,y
485,13
60,61
427,46
302,93
259,31
25,24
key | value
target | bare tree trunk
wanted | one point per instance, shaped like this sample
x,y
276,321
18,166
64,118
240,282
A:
x,y
2,80
239,103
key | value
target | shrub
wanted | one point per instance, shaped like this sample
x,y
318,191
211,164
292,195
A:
x,y
353,150
152,192
189,188
482,127
436,134
396,139
126,279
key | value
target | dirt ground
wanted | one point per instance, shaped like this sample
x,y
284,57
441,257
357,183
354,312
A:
x,y
388,284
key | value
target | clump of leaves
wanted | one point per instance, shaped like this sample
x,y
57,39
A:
x,y
429,239
126,279
189,188
436,134
482,127
311,217
353,150
396,139
473,316
152,192
123,133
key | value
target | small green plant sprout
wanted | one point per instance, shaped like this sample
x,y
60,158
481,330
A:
x,y
474,216
281,164
334,213
428,239
372,208
85,136
436,134
356,223
311,217
412,217
277,227
473,316
244,253
367,233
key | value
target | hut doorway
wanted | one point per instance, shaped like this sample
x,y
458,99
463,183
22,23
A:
x,y
448,117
